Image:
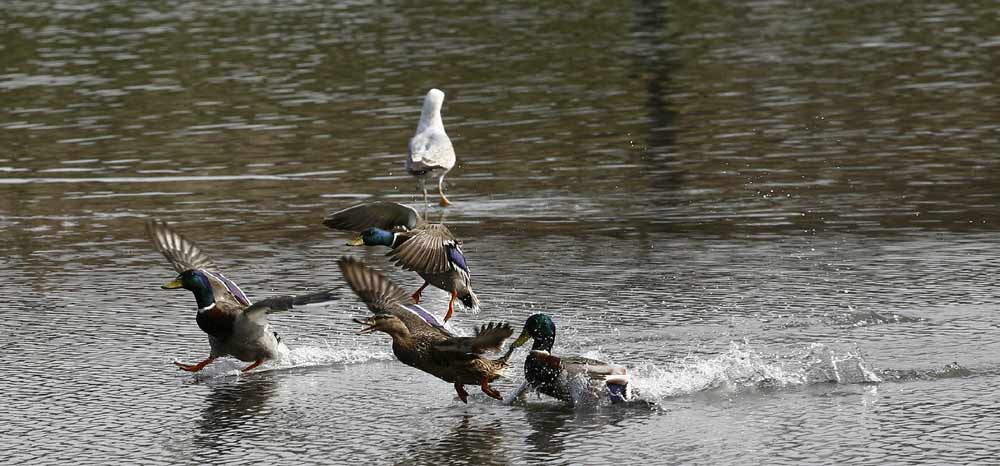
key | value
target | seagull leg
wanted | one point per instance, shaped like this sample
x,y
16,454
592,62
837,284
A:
x,y
195,367
416,294
255,364
462,394
423,187
490,391
444,200
451,306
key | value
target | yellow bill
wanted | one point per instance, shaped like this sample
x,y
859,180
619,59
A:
x,y
521,339
174,284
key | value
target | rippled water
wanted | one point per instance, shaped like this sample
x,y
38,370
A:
x,y
781,215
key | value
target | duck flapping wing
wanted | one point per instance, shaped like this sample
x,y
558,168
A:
x,y
428,249
286,303
489,337
183,255
181,252
384,215
382,296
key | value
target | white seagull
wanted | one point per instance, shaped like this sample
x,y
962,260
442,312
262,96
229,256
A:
x,y
431,152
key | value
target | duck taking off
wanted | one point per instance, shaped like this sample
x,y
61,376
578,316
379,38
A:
x,y
235,326
431,153
419,340
429,249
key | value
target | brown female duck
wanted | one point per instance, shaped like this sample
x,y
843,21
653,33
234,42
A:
x,y
419,340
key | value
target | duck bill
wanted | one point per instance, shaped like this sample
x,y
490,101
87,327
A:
x,y
356,241
173,284
369,326
521,339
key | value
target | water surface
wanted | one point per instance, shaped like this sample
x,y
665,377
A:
x,y
782,216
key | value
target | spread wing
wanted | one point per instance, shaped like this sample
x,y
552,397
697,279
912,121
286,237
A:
x,y
382,296
489,337
379,293
287,303
385,215
430,149
426,250
182,253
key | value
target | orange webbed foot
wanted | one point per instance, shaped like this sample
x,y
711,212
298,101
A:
x,y
416,294
195,367
462,394
252,366
490,391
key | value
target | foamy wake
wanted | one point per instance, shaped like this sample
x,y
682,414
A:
x,y
743,368
738,369
301,355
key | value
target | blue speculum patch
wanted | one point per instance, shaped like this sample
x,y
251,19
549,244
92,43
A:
x,y
427,316
616,392
233,288
456,257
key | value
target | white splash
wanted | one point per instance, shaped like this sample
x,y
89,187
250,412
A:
x,y
742,367
299,356
304,356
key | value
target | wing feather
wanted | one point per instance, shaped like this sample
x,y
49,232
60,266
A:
x,y
287,303
425,250
382,296
379,293
182,253
593,368
489,337
431,149
385,215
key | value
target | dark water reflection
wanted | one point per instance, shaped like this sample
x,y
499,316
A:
x,y
545,440
470,441
666,178
232,409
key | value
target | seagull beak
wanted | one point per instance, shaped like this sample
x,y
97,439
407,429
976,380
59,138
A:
x,y
173,285
356,241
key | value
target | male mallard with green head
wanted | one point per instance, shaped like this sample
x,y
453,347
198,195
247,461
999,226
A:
x,y
426,248
234,325
419,340
551,375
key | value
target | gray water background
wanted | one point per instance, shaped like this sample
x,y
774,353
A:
x,y
781,215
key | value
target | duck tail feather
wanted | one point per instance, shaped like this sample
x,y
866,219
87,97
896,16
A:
x,y
470,301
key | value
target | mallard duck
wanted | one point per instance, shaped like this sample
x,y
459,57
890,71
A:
x,y
234,325
426,248
419,340
431,152
551,374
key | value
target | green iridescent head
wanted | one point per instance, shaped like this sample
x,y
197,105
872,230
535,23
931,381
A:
x,y
539,328
374,237
197,283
